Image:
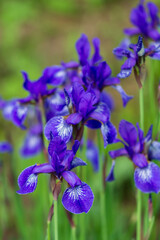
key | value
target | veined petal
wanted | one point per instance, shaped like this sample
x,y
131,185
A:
x,y
57,126
109,133
125,98
27,180
128,132
148,179
78,199
154,151
110,176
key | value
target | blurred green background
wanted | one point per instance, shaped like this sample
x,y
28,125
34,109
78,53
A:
x,y
35,34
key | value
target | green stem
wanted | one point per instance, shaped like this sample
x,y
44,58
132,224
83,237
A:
x,y
73,233
139,194
48,237
55,219
102,192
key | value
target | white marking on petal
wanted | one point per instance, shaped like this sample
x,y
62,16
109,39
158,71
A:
x,y
145,174
31,180
63,129
76,193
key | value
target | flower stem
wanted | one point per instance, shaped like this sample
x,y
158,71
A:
x,y
55,219
102,192
48,237
73,233
139,194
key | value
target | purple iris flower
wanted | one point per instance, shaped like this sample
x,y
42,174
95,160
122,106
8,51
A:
x,y
5,147
86,110
141,151
37,89
146,21
78,197
15,112
135,54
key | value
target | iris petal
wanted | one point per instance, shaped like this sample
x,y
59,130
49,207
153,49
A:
x,y
57,126
78,199
148,179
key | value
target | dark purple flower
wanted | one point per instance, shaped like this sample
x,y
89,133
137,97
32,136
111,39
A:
x,y
87,110
78,197
135,54
146,21
141,150
37,89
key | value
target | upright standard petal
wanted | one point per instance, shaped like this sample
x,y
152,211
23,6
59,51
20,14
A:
x,y
128,132
27,180
57,126
83,49
96,56
148,179
78,199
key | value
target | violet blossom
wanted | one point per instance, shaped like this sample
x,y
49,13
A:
x,y
141,151
78,197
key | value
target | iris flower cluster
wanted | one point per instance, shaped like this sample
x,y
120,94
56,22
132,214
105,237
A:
x,y
73,96
70,97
